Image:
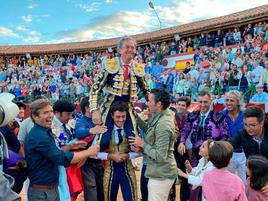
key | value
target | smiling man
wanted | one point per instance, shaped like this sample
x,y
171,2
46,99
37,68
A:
x,y
122,78
202,125
119,169
254,137
158,145
234,116
43,156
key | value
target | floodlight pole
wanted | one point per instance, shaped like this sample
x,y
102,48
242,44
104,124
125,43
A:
x,y
152,6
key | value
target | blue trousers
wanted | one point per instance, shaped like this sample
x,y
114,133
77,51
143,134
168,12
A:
x,y
120,174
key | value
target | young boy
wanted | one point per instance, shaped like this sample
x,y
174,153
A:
x,y
219,184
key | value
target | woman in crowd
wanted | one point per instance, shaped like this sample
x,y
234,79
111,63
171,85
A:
x,y
257,171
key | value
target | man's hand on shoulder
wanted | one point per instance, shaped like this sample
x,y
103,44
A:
x,y
77,145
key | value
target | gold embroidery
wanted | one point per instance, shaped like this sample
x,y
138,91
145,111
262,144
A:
x,y
112,65
138,69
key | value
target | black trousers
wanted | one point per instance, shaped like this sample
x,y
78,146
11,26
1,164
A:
x,y
143,184
185,188
92,172
196,157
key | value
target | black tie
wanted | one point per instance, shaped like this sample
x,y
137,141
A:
x,y
68,132
120,135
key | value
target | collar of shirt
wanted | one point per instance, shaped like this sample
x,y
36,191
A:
x,y
116,128
206,115
130,63
235,125
48,130
57,122
259,139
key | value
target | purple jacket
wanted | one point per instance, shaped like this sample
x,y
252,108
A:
x,y
215,128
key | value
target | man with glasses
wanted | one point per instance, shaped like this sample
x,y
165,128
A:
x,y
254,137
202,125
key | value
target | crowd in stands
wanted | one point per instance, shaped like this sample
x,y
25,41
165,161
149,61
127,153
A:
x,y
207,142
228,59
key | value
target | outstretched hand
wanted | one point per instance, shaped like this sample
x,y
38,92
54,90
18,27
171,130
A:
x,y
181,173
77,145
188,166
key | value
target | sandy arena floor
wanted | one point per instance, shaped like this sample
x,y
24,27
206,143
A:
x,y
81,198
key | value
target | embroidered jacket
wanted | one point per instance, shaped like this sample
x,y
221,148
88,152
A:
x,y
215,128
111,76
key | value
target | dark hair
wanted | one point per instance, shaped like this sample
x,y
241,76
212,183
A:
x,y
120,106
258,166
21,105
161,95
63,106
184,99
220,154
84,103
204,93
254,111
173,99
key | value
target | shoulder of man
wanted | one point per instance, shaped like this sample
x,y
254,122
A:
x,y
218,117
138,69
85,120
192,116
112,65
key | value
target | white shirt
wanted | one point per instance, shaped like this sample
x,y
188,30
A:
x,y
104,155
195,177
116,134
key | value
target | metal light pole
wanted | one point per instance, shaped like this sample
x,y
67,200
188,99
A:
x,y
152,6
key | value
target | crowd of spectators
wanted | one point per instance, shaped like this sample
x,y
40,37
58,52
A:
x,y
224,61
227,59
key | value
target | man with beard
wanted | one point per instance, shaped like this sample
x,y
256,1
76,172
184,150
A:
x,y
202,125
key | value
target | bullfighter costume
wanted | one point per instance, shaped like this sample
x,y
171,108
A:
x,y
121,82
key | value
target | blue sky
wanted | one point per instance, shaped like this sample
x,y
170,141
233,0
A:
x,y
59,21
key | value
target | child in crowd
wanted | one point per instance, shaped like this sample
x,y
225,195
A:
x,y
195,175
257,171
219,184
